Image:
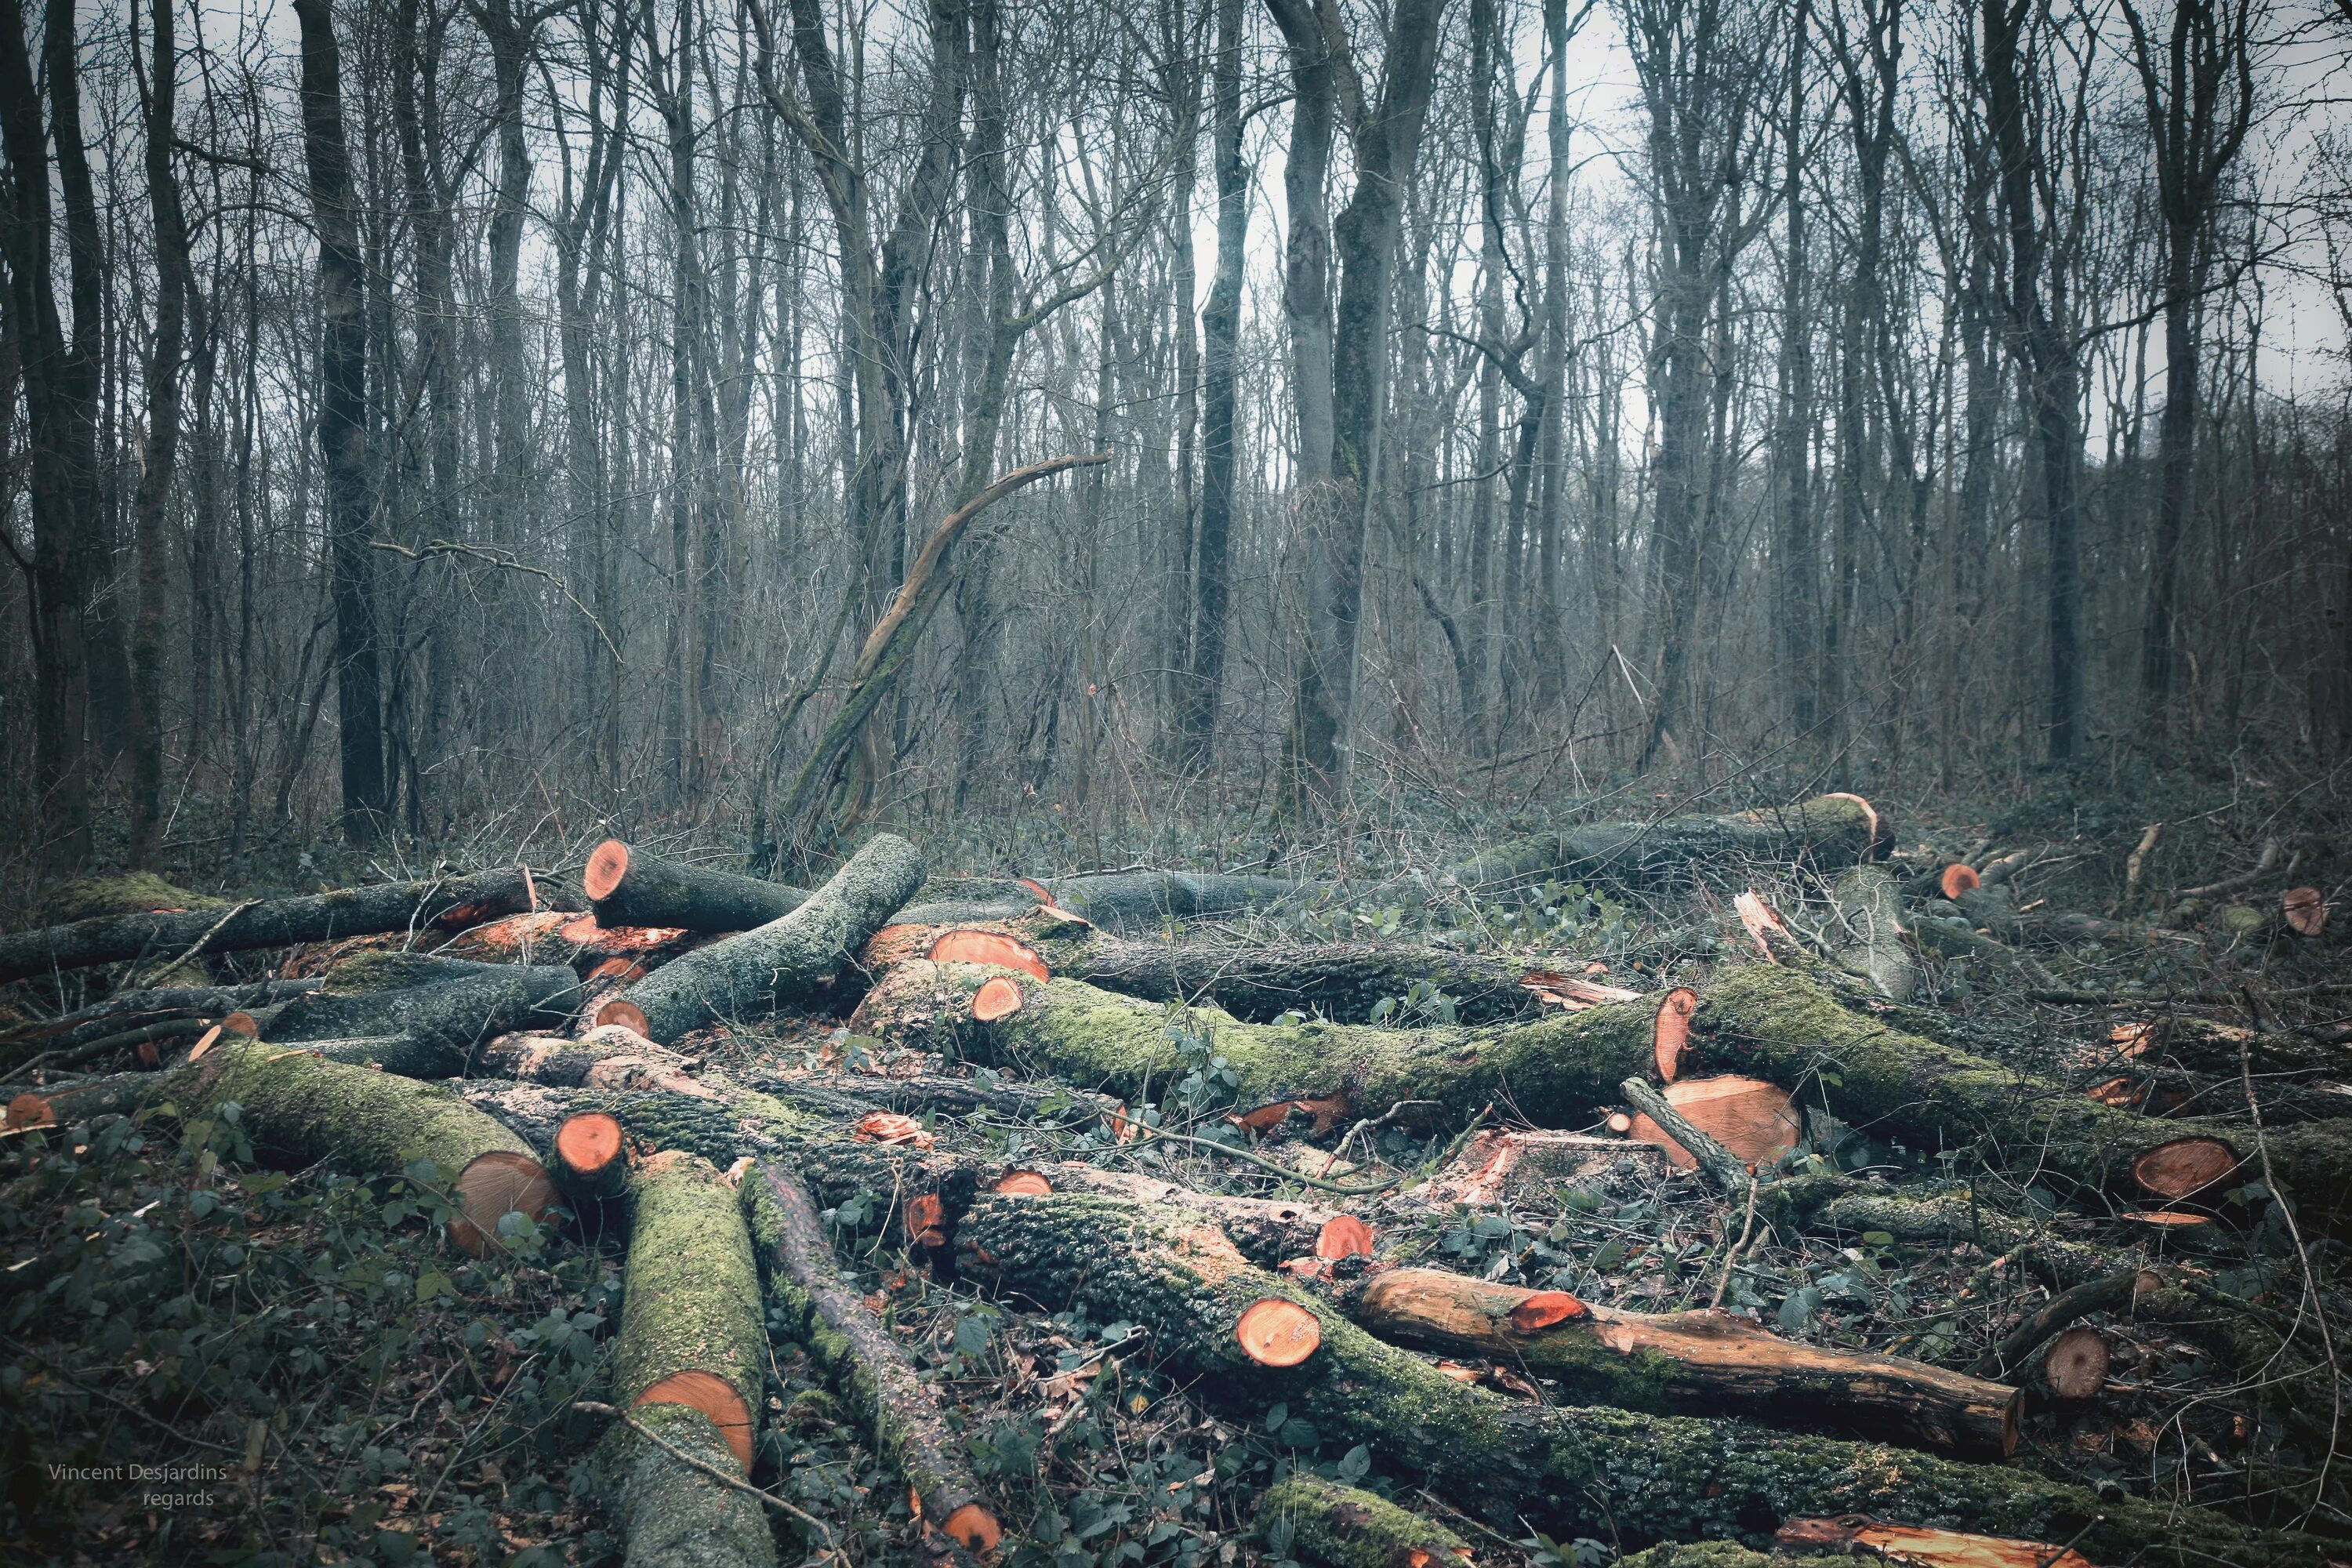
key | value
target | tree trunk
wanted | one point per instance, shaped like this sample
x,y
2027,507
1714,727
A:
x,y
342,425
1221,371
440,1024
1828,830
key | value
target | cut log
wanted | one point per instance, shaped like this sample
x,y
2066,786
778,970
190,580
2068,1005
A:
x,y
301,1111
1958,879
2075,1364
591,1161
859,1355
1553,1071
1142,900
789,959
2109,1292
631,886
965,946
1023,1184
1869,910
271,923
1783,1026
995,1001
1272,1332
1749,1117
1318,1520
691,1330
1566,1471
443,1022
608,1057
1689,1362
674,1514
852,1094
1343,1236
1829,830
1913,1546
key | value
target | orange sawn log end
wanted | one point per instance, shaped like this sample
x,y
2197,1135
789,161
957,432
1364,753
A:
x,y
1276,1333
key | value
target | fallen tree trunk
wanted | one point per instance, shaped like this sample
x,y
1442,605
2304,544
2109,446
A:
x,y
632,887
1562,1470
1347,1527
901,1412
1779,1025
1554,1070
788,959
691,1327
443,1022
1826,831
1130,900
274,922
855,1094
609,1056
1692,1363
300,1111
688,1366
126,1008
1259,981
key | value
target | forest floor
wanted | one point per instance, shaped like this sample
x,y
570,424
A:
x,y
333,1383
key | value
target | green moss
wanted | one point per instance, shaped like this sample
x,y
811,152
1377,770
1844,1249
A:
x,y
691,1299
1347,1527
364,973
1722,1554
674,1515
129,893
303,1110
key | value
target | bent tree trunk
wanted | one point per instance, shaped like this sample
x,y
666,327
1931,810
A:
x,y
1826,831
273,923
1555,1070
787,960
1563,1471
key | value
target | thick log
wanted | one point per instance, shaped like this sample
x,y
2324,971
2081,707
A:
x,y
691,1318
444,1022
1827,831
1696,1363
1553,1070
1777,1025
608,1057
592,1159
451,903
675,1511
788,959
1337,1526
1564,1470
1869,909
900,1411
300,1111
633,887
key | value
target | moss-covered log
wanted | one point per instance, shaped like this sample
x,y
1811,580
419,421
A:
x,y
672,1514
300,1111
1829,830
852,1094
690,1317
788,959
1304,1516
901,1412
444,1021
1259,981
1564,1470
1698,1364
451,903
1555,1070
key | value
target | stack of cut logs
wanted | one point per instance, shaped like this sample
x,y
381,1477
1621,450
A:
x,y
551,1060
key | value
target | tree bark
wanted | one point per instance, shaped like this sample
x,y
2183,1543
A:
x,y
343,425
1347,1527
1828,830
273,923
443,1023
791,959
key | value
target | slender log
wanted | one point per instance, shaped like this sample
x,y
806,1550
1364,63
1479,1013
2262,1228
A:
x,y
788,959
608,1057
301,1111
902,1413
148,1005
1346,1527
691,1318
1556,1069
450,903
1133,901
855,1094
1566,1471
1828,830
1870,917
443,1023
1696,1363
592,1162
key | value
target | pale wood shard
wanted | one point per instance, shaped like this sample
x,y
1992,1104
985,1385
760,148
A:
x,y
1672,1033
1544,1308
1912,1546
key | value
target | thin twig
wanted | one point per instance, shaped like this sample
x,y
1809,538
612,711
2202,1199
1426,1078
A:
x,y
197,946
500,558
